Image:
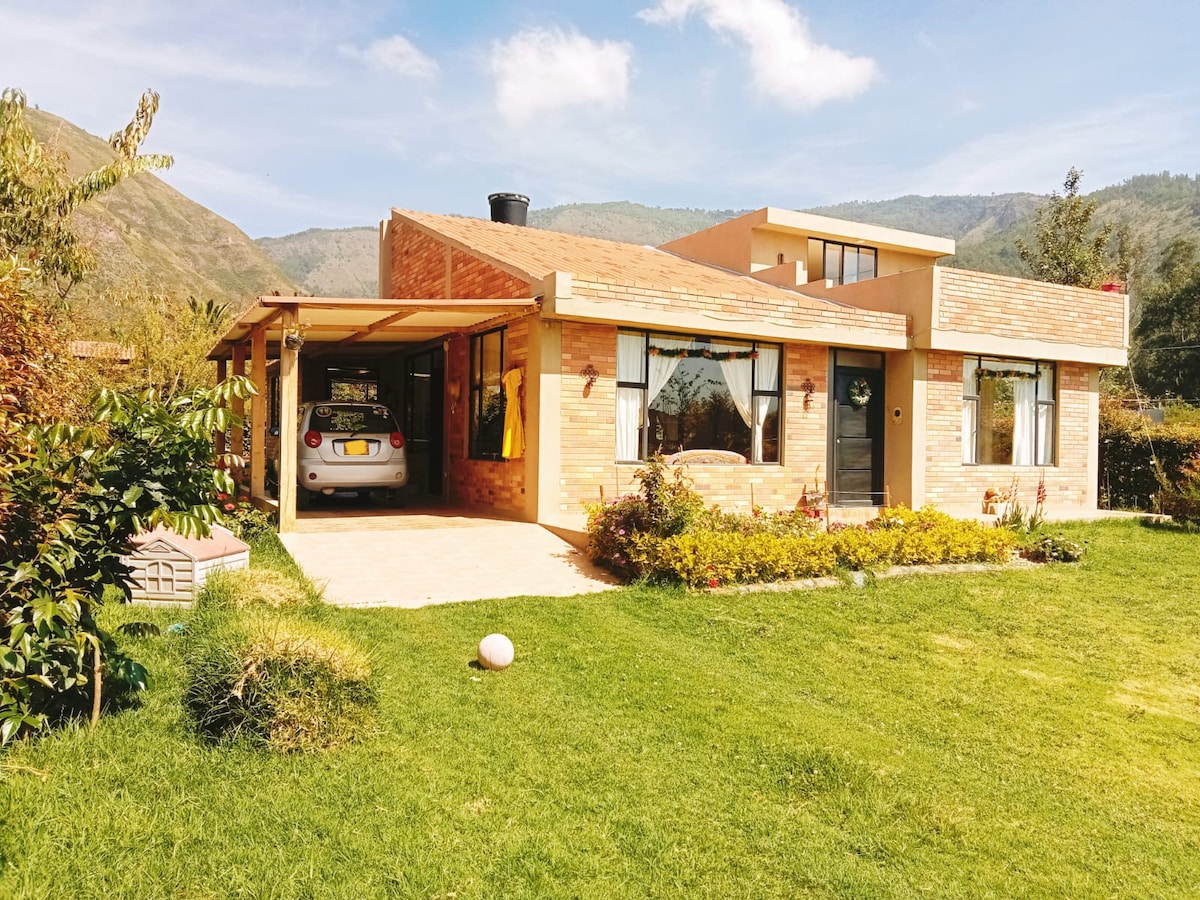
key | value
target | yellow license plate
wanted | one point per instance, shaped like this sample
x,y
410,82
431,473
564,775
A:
x,y
355,448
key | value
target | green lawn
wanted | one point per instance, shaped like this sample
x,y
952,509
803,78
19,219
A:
x,y
1031,733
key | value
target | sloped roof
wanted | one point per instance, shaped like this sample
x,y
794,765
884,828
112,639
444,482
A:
x,y
534,253
220,542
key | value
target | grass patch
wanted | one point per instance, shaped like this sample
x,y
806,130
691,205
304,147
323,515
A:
x,y
1020,733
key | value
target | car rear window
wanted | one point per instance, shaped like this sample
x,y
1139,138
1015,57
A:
x,y
362,419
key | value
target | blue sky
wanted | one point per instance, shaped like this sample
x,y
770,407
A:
x,y
289,115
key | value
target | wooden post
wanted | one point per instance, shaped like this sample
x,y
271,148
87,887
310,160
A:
x,y
219,436
258,413
237,435
289,402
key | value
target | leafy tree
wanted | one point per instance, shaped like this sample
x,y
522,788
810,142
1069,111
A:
x,y
38,197
72,496
1166,361
1067,248
73,500
170,338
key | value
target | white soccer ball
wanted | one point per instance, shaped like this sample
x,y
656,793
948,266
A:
x,y
496,652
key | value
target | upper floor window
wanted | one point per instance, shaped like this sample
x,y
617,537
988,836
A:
x,y
677,393
487,394
842,263
1008,412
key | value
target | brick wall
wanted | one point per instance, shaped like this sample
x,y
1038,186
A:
x,y
959,488
799,312
589,431
1019,308
497,485
421,265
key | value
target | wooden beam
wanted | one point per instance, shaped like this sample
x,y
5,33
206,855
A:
x,y
289,402
219,436
237,434
429,303
360,331
375,326
258,413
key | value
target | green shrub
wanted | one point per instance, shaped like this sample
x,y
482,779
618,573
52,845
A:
x,y
1180,499
612,533
1053,549
720,547
865,548
280,682
709,559
71,499
245,519
664,506
1129,478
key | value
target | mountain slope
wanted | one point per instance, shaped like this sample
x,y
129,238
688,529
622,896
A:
x,y
625,221
1159,208
342,262
145,233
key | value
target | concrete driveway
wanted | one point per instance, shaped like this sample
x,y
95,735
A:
x,y
421,557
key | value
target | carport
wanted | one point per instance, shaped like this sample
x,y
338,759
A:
x,y
285,332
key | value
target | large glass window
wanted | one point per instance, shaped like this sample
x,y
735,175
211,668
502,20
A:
x,y
487,395
679,393
843,263
1008,412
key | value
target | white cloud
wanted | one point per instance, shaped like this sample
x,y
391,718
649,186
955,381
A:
x,y
544,69
1035,157
96,34
394,54
788,65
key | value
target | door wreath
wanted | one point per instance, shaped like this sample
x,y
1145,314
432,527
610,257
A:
x,y
860,393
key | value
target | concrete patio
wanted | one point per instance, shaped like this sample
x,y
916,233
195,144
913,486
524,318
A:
x,y
414,558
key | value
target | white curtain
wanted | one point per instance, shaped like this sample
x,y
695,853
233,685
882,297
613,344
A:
x,y
661,368
767,378
631,357
1045,416
1045,436
969,427
631,366
1025,415
739,377
629,420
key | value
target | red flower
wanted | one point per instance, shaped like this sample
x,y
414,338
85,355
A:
x,y
712,582
229,507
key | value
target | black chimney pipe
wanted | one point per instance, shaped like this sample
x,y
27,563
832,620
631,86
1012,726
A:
x,y
512,209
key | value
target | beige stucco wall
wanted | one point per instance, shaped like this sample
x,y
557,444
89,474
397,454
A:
x,y
724,245
903,433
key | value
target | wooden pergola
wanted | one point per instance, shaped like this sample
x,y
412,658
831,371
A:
x,y
326,325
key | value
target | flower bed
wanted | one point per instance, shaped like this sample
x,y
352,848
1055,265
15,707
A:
x,y
666,534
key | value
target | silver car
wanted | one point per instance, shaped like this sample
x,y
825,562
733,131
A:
x,y
349,447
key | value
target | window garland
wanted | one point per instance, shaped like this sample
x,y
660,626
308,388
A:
x,y
695,353
981,374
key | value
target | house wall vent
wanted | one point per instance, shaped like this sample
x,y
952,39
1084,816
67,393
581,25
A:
x,y
512,209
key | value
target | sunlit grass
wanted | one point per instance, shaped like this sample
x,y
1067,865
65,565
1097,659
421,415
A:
x,y
1028,733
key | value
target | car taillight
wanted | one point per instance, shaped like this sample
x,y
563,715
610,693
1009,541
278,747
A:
x,y
312,439
397,440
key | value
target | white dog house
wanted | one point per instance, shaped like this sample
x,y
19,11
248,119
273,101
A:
x,y
168,566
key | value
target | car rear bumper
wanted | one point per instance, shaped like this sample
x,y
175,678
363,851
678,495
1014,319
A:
x,y
319,475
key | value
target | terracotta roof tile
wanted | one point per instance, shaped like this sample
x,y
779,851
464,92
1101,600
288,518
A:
x,y
536,253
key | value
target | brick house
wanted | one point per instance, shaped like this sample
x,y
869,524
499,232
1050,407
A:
x,y
772,352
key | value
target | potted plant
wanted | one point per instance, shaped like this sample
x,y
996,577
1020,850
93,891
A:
x,y
293,337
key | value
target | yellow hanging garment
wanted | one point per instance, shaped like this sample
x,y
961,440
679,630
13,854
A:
x,y
514,428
